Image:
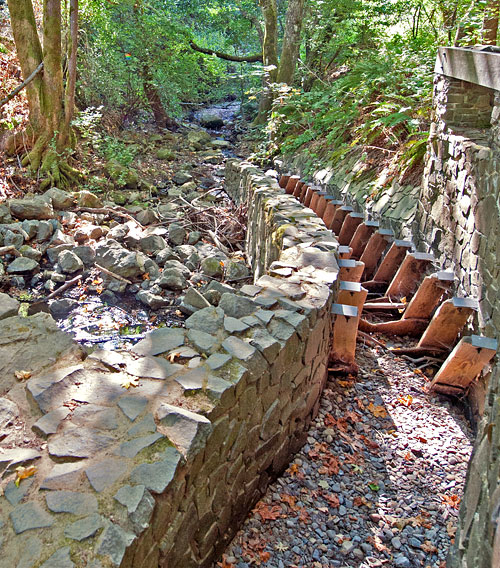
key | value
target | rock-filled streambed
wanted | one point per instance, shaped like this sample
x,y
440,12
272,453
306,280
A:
x,y
111,267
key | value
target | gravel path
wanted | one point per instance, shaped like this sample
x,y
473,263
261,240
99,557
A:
x,y
378,483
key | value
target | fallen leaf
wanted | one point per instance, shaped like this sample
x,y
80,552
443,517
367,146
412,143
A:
x,y
146,276
333,500
405,400
451,529
131,383
304,516
451,500
264,555
288,499
374,486
225,564
293,469
22,375
428,547
268,513
281,547
173,356
377,411
24,473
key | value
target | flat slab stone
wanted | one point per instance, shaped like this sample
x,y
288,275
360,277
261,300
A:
x,y
218,360
8,413
71,502
18,456
145,367
63,476
15,494
113,543
234,325
157,476
95,416
160,341
32,549
140,505
49,423
238,348
60,559
145,426
78,443
131,448
104,473
132,406
203,341
187,430
209,320
84,528
38,384
43,343
30,516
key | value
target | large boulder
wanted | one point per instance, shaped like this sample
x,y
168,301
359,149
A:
x,y
37,208
211,120
199,137
61,200
119,260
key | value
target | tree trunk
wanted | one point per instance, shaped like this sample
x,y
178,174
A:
x,y
162,120
49,132
291,41
490,22
270,57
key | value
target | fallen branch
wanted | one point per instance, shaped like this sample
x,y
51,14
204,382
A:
x,y
63,288
257,58
18,89
108,211
112,274
370,339
11,249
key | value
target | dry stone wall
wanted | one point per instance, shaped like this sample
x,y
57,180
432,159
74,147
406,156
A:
x,y
455,215
142,461
459,216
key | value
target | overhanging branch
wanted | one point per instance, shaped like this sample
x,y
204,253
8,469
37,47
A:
x,y
18,89
257,58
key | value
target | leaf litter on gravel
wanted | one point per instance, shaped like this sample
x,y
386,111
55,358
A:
x,y
377,484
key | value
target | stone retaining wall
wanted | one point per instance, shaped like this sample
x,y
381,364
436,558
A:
x,y
459,217
153,457
354,181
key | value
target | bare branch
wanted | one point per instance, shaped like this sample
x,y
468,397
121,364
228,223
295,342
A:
x,y
18,89
257,58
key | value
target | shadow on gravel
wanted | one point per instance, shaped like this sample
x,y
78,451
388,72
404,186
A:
x,y
377,484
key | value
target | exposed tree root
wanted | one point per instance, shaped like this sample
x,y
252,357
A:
x,y
52,167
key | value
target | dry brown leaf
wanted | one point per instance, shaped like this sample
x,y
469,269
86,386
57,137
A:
x,y
22,375
377,411
131,383
24,473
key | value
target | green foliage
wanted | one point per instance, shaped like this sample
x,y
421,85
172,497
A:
x,y
128,45
372,85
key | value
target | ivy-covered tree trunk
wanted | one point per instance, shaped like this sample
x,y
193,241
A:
x,y
48,136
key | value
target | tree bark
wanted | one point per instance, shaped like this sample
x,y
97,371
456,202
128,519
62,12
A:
x,y
162,120
490,22
270,57
48,136
291,41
